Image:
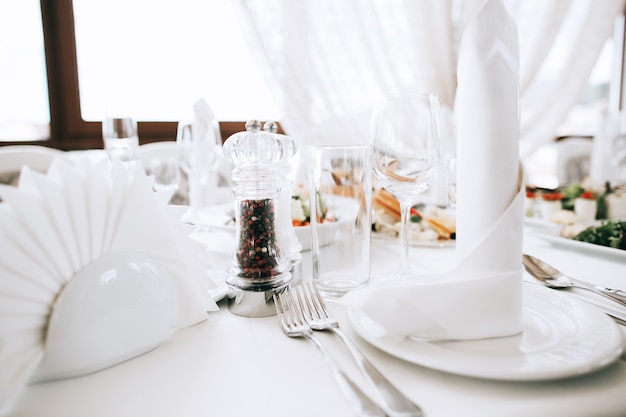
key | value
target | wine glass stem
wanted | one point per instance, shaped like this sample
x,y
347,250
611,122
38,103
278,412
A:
x,y
405,219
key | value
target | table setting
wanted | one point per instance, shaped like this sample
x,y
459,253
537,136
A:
x,y
117,302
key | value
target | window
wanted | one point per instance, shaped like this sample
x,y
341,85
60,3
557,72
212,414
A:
x,y
24,113
153,59
159,56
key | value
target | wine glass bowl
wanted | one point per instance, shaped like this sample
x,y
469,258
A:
x,y
452,184
120,138
407,147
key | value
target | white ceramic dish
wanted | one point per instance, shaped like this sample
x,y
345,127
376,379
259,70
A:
x,y
552,236
562,337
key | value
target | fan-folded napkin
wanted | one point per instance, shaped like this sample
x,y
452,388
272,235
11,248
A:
x,y
53,226
481,296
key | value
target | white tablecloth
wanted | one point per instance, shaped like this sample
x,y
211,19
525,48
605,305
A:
x,y
236,366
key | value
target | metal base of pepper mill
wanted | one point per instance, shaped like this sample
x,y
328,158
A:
x,y
258,302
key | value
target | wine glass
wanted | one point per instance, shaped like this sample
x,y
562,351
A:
x,y
407,147
166,172
184,140
452,185
120,138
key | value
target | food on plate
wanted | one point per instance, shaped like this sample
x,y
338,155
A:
x,y
584,202
564,217
551,203
616,205
609,233
430,223
572,229
530,203
586,206
301,210
588,212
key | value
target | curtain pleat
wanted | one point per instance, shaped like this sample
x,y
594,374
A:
x,y
327,60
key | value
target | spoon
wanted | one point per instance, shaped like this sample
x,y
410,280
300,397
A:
x,y
553,278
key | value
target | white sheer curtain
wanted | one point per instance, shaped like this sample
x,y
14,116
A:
x,y
327,60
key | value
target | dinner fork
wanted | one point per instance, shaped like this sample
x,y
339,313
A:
x,y
317,316
293,324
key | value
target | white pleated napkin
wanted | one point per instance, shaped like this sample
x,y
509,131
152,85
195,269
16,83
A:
x,y
481,296
54,225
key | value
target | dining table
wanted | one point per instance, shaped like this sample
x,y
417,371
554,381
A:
x,y
231,365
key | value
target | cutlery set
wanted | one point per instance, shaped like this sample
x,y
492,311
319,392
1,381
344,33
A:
x,y
301,310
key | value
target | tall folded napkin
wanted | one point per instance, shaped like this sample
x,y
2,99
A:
x,y
205,151
54,226
481,296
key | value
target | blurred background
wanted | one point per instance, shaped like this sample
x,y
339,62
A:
x,y
312,66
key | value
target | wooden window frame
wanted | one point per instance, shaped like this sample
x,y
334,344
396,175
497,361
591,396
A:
x,y
68,131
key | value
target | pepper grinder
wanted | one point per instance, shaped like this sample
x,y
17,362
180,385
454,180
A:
x,y
258,266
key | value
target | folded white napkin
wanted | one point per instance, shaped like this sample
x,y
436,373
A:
x,y
481,296
205,151
54,225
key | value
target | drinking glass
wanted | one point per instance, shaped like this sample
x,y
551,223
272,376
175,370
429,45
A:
x,y
184,140
166,172
407,151
120,138
340,201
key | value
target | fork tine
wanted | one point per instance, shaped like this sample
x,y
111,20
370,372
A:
x,y
318,300
304,301
294,324
292,309
394,401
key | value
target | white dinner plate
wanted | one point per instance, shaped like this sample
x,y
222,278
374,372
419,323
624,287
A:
x,y
562,337
552,236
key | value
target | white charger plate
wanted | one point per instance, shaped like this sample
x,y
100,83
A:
x,y
562,337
